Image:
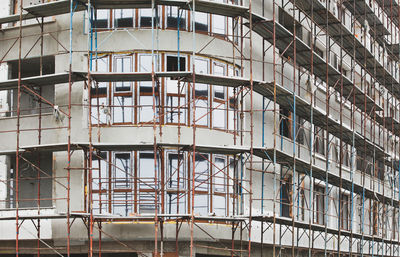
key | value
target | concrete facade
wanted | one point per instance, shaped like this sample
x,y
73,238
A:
x,y
276,192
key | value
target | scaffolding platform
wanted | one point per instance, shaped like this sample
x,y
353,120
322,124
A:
x,y
305,167
228,150
63,7
321,228
285,98
344,37
228,81
362,9
389,122
284,39
266,89
44,80
62,147
391,9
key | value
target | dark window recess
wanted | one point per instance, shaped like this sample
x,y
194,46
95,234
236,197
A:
x,y
381,170
172,19
31,67
123,18
123,86
145,20
101,19
98,91
285,126
219,94
172,22
300,132
286,194
201,27
201,22
28,187
319,51
172,63
201,91
149,88
124,22
100,24
30,104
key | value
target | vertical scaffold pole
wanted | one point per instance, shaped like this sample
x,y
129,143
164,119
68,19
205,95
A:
x,y
69,130
193,168
153,81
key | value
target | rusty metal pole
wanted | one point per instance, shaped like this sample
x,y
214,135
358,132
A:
x,y
18,133
192,220
251,127
153,80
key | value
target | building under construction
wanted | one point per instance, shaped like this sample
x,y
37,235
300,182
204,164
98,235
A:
x,y
199,128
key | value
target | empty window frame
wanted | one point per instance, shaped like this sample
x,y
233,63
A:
x,y
319,140
234,188
122,184
344,211
122,172
202,184
202,21
345,152
219,98
101,20
29,103
145,17
219,22
100,182
123,18
123,64
123,107
176,106
100,113
130,18
119,103
147,183
146,112
32,172
121,187
202,94
175,183
380,170
232,101
319,204
220,193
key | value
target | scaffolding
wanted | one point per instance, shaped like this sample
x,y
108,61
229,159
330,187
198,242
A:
x,y
329,132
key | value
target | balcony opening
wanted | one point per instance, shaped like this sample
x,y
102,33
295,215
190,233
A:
x,y
29,103
34,180
175,64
